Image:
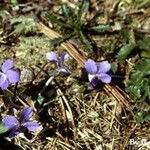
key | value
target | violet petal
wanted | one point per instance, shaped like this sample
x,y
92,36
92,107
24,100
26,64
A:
x,y
59,63
9,122
104,67
90,66
31,126
4,85
64,56
26,114
64,69
52,56
91,77
94,81
105,78
3,78
14,132
13,76
8,64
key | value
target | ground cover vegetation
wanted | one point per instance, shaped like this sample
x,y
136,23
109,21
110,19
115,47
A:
x,y
75,74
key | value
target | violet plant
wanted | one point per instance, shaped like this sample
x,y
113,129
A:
x,y
52,56
16,125
97,72
8,74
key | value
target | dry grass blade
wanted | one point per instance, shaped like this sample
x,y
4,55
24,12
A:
x,y
64,114
2,104
55,142
70,112
81,61
113,116
129,132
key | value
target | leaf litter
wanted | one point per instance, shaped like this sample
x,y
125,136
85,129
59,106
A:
x,y
70,115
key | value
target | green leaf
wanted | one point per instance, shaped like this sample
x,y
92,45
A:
x,y
14,2
78,25
101,28
139,117
139,82
86,42
138,87
143,4
2,129
142,69
147,118
135,90
114,67
54,19
56,42
125,51
144,44
74,79
65,10
40,100
145,54
83,7
142,116
131,36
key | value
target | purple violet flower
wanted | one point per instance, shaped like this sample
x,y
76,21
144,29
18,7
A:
x,y
15,126
52,56
8,75
98,72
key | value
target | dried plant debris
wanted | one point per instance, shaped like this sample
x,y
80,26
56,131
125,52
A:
x,y
75,75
